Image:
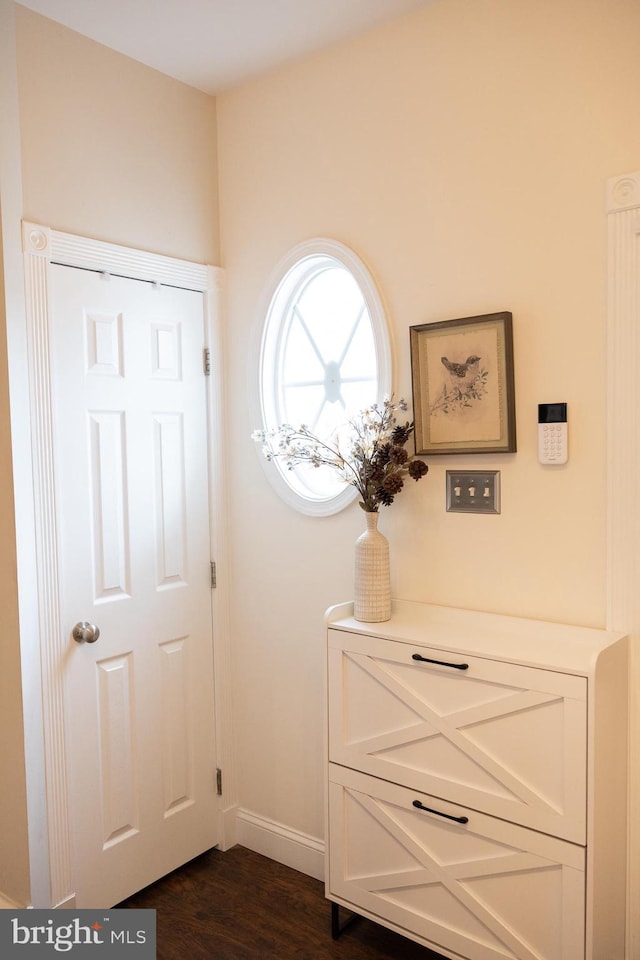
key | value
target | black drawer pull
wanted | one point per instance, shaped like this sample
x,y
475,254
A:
x,y
448,816
441,663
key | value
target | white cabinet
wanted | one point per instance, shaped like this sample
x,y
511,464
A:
x,y
477,782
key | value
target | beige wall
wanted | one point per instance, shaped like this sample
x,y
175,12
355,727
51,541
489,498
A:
x,y
14,852
14,880
462,152
112,149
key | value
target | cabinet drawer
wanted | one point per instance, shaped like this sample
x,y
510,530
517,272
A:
x,y
505,739
485,889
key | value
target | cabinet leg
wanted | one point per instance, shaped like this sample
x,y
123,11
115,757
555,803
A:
x,y
335,921
336,927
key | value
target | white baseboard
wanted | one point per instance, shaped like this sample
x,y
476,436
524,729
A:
x,y
227,832
278,842
69,903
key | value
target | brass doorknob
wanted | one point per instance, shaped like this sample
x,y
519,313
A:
x,y
85,632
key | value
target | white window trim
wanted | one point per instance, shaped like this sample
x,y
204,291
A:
x,y
318,247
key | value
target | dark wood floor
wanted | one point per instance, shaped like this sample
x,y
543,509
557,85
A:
x,y
239,905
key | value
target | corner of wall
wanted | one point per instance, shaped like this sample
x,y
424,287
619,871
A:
x,y
14,843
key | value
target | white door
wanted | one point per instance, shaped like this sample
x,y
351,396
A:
x,y
130,428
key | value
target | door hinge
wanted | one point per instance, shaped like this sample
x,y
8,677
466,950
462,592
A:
x,y
214,581
206,361
219,781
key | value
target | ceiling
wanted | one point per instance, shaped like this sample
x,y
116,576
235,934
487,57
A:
x,y
215,44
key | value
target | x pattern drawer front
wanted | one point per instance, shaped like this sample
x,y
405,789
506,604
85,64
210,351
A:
x,y
505,739
478,883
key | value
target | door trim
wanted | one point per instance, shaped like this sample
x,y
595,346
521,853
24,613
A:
x,y
42,247
623,477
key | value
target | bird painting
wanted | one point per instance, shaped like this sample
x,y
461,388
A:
x,y
463,385
462,375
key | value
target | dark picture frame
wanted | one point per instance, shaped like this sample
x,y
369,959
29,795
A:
x,y
463,385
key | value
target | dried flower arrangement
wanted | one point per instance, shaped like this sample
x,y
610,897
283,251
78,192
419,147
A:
x,y
369,452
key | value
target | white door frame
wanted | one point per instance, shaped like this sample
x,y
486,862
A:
x,y
43,246
623,461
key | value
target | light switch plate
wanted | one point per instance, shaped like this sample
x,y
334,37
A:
x,y
473,491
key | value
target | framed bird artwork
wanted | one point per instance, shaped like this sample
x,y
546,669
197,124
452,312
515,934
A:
x,y
463,385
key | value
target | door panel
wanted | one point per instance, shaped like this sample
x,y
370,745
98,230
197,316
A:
x,y
170,502
132,496
110,554
117,770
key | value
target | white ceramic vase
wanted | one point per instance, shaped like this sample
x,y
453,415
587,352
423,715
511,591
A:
x,y
372,587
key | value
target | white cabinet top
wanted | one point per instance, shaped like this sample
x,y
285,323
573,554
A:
x,y
537,643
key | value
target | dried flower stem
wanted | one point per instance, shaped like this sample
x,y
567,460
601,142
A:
x,y
376,463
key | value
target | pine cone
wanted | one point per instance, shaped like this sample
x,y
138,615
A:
x,y
383,497
417,469
381,456
398,455
400,435
373,472
393,483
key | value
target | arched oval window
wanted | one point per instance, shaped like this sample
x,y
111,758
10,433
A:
x,y
325,355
